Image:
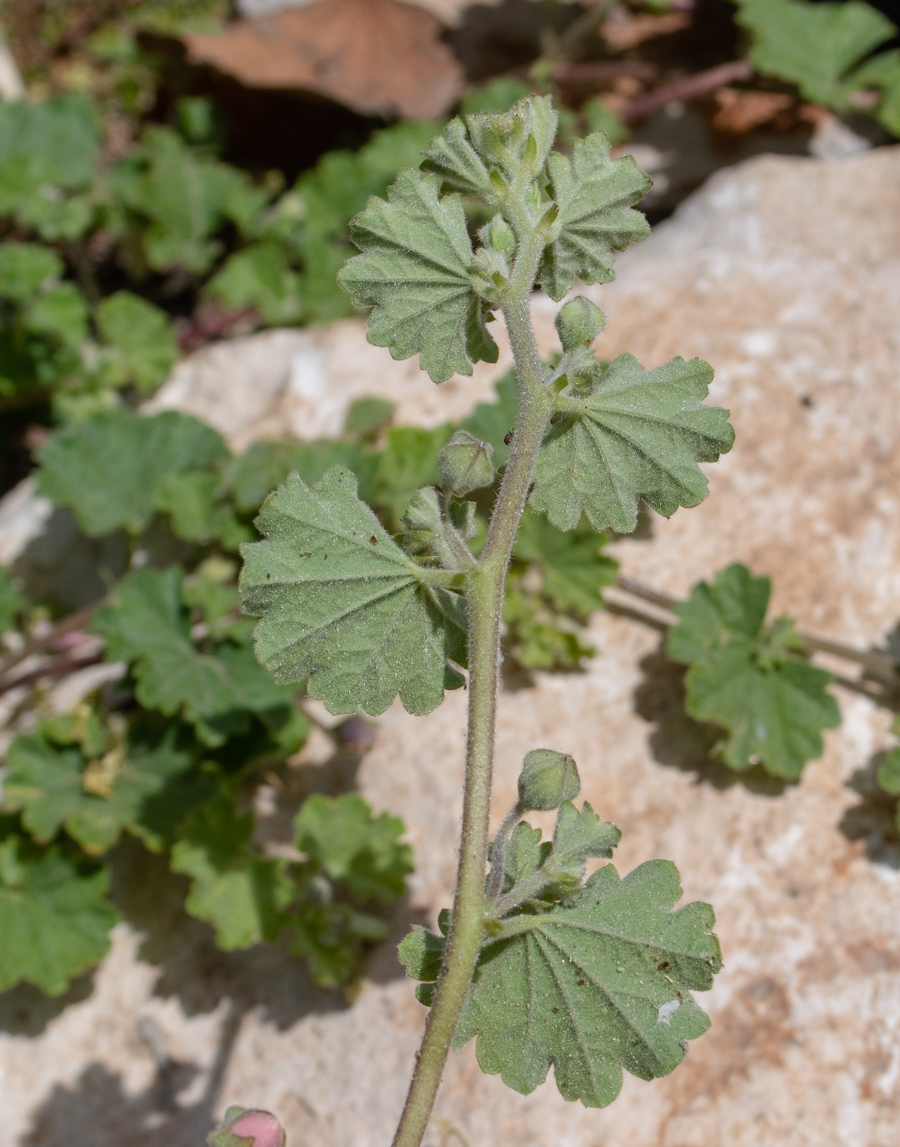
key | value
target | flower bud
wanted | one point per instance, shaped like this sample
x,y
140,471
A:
x,y
247,1128
578,323
547,780
465,464
499,235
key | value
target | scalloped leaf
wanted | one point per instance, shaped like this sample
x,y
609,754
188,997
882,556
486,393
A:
x,y
594,987
54,920
595,195
748,679
342,605
638,434
415,270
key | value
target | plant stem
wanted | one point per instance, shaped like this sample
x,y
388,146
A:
x,y
485,596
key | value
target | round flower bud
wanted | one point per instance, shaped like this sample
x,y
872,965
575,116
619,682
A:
x,y
547,779
242,1128
465,464
578,323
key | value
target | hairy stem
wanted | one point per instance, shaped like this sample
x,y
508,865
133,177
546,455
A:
x,y
485,596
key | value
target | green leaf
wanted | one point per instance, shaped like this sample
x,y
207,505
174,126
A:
x,y
25,268
242,895
54,920
184,195
600,985
601,117
367,417
422,954
53,144
573,568
60,313
93,799
579,835
343,605
812,45
540,637
139,338
260,277
746,678
595,196
415,271
637,434
889,773
497,95
883,72
333,938
343,838
148,626
11,601
525,853
257,472
109,468
452,157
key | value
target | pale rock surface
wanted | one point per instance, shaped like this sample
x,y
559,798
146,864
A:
x,y
785,274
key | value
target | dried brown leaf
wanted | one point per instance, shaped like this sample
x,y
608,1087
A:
x,y
379,57
738,110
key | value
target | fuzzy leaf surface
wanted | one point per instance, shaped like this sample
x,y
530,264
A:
x,y
415,270
638,434
748,679
596,986
342,605
54,920
595,195
108,468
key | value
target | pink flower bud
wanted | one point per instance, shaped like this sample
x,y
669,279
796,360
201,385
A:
x,y
260,1126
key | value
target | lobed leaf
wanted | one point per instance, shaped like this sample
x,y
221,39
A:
x,y
595,195
573,568
747,679
241,894
638,434
342,605
147,626
594,987
109,467
260,277
812,45
342,837
415,270
139,338
55,920
94,799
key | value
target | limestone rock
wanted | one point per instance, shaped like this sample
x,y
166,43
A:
x,y
785,274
